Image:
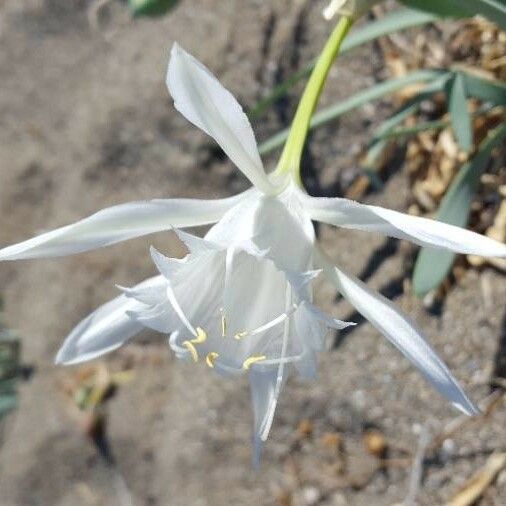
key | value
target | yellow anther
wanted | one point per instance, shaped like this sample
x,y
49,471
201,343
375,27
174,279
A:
x,y
223,326
211,357
252,360
240,335
190,345
201,336
191,348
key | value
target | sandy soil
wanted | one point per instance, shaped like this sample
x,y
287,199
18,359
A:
x,y
86,122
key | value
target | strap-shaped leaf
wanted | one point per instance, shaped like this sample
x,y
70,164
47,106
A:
x,y
442,8
488,90
393,22
433,265
151,7
495,10
8,403
9,370
380,139
362,97
459,112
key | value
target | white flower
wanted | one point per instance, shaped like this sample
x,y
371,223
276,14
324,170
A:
x,y
241,300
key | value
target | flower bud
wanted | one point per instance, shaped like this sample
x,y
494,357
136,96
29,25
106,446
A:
x,y
351,8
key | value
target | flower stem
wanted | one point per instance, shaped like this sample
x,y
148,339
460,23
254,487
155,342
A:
x,y
292,152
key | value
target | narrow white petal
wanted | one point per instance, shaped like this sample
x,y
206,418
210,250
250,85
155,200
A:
x,y
264,400
200,97
325,319
119,223
403,334
425,232
104,330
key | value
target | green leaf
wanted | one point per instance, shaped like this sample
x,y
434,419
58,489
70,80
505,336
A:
x,y
9,369
151,7
459,112
392,22
494,10
442,8
395,21
488,90
7,404
438,124
8,386
373,93
9,355
433,265
394,133
381,136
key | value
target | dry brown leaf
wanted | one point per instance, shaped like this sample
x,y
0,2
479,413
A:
x,y
358,188
480,481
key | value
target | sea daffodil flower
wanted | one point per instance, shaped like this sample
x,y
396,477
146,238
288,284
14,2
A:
x,y
241,300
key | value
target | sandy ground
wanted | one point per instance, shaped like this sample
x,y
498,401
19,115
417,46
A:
x,y
86,122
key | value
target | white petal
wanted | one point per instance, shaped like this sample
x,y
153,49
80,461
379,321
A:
x,y
254,294
104,330
263,397
160,318
300,280
200,97
310,333
195,244
307,366
325,319
285,228
166,266
403,334
119,223
151,295
425,232
312,325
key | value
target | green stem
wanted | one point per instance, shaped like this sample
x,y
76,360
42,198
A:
x,y
292,152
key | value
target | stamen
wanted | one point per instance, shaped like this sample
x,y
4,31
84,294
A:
x,y
266,326
211,358
201,336
275,321
252,360
223,324
267,421
286,360
190,345
191,348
